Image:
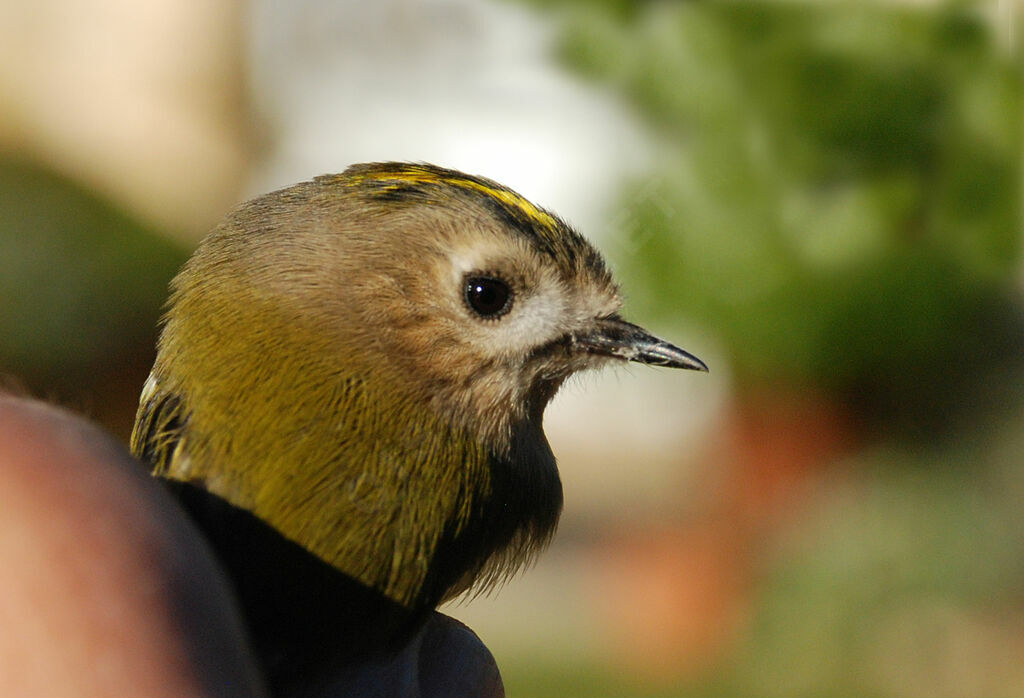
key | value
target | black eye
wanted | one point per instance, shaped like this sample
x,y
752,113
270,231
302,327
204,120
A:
x,y
488,297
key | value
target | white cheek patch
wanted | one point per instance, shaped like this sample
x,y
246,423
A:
x,y
536,318
540,312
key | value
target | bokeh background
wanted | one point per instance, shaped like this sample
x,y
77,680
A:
x,y
820,199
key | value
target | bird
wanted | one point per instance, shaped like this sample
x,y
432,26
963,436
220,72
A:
x,y
348,398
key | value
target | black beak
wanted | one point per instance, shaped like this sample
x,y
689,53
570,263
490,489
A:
x,y
615,337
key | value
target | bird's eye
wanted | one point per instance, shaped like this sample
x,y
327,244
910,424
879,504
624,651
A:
x,y
488,297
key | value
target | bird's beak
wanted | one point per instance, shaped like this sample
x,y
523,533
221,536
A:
x,y
613,336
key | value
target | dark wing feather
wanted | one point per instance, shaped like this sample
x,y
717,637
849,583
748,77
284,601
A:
x,y
159,427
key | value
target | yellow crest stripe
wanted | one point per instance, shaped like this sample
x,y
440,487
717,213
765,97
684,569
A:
x,y
399,174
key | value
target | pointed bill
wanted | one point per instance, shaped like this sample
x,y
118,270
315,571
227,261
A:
x,y
615,337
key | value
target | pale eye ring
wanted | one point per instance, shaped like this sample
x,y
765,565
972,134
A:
x,y
487,296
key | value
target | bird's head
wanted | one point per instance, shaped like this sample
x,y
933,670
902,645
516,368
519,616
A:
x,y
384,334
484,300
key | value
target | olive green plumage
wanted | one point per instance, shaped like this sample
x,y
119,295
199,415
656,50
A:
x,y
362,362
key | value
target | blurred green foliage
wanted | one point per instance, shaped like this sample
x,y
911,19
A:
x,y
839,197
81,286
